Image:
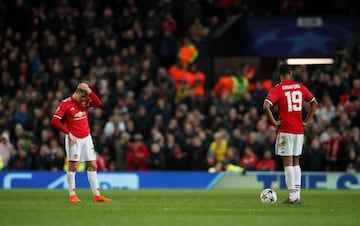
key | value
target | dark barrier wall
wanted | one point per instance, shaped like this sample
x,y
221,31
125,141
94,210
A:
x,y
286,36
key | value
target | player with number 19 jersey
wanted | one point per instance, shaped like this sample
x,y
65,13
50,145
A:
x,y
290,96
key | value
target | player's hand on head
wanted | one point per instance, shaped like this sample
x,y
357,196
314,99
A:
x,y
85,87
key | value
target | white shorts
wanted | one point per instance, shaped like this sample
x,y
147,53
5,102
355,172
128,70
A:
x,y
288,144
82,151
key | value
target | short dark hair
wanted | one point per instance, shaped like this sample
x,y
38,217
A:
x,y
284,69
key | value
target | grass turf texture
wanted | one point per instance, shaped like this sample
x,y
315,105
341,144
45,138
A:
x,y
35,207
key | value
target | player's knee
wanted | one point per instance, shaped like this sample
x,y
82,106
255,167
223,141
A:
x,y
287,161
73,169
91,166
73,166
296,160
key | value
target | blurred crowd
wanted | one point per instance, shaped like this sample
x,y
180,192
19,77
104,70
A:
x,y
158,112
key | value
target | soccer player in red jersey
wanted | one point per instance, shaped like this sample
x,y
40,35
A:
x,y
78,141
289,96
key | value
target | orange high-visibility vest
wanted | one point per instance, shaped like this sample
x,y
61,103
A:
x,y
249,74
188,54
179,75
224,84
198,88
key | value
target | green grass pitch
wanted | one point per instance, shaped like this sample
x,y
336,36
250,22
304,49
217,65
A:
x,y
218,207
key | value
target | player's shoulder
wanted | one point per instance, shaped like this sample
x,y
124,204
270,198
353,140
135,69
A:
x,y
65,102
275,87
67,99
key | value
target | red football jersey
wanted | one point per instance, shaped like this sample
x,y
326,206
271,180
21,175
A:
x,y
289,97
75,114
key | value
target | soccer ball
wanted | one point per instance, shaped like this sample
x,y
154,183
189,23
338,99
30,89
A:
x,y
268,196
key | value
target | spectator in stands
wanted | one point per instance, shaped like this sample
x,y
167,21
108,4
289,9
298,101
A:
x,y
225,83
337,88
43,159
198,31
115,125
267,163
237,140
326,111
192,10
188,53
355,91
176,157
137,154
219,146
57,163
223,104
6,148
351,162
313,158
353,140
260,92
262,132
166,85
249,160
198,151
252,142
157,159
20,161
162,113
169,24
233,117
232,156
218,167
141,119
341,121
120,150
241,84
334,150
22,115
196,79
167,49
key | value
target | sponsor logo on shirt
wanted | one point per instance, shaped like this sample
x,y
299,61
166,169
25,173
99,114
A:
x,y
80,115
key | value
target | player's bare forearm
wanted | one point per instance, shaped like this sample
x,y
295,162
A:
x,y
311,112
273,121
270,115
